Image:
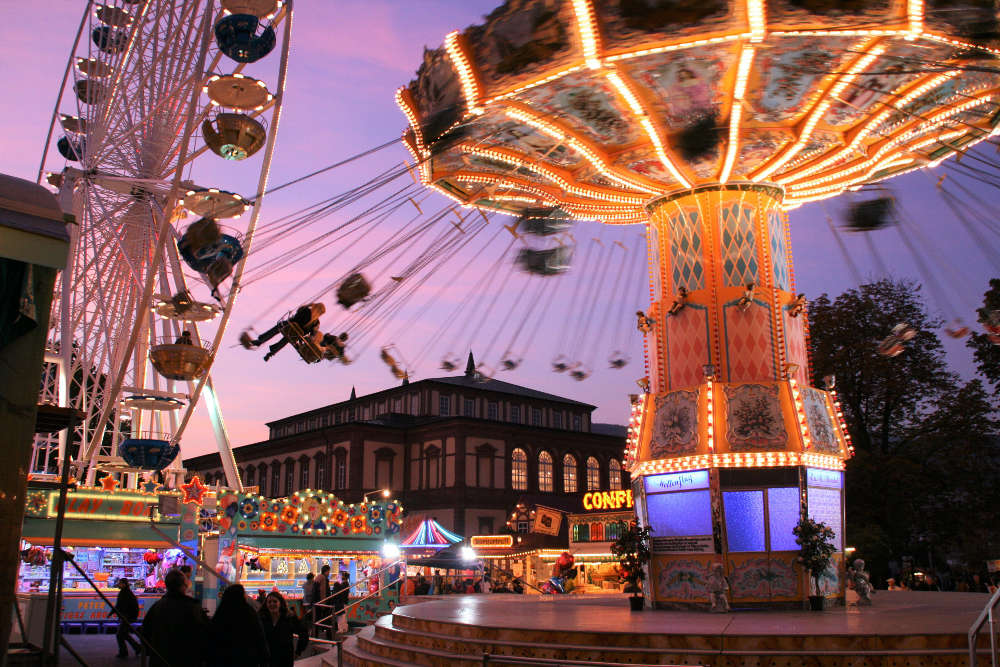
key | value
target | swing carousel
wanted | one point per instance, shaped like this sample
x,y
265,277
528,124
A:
x,y
706,122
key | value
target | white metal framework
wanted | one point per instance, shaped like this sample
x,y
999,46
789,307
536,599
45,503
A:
x,y
137,82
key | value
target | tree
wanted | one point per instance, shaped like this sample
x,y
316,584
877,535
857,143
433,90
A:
x,y
928,454
984,351
631,550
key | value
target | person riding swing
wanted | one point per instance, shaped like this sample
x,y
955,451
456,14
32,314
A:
x,y
305,319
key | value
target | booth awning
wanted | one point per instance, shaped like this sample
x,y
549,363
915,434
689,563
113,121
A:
x,y
429,535
97,533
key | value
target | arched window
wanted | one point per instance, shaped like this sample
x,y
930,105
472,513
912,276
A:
x,y
304,473
614,475
432,467
569,474
251,477
593,474
321,482
262,478
275,479
545,472
519,470
340,469
289,476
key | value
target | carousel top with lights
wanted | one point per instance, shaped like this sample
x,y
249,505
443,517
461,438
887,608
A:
x,y
599,107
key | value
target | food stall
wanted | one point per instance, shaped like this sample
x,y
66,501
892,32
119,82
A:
x,y
108,531
273,543
592,531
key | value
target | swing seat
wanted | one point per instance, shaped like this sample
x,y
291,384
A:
x,y
303,344
509,363
618,359
904,332
549,262
448,364
871,215
580,373
890,347
543,221
353,289
560,364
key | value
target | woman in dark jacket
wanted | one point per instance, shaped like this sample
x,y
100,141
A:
x,y
279,627
237,635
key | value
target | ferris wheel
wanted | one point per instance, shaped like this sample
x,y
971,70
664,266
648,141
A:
x,y
152,90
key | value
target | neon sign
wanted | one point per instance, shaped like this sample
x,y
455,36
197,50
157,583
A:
x,y
492,541
102,506
607,500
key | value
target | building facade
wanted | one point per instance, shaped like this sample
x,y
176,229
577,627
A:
x,y
462,449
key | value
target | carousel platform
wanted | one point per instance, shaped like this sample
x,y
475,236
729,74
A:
x,y
902,628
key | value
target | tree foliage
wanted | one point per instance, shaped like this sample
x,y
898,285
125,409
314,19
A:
x,y
928,446
984,351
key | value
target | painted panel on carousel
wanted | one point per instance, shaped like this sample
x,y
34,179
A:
x,y
681,579
522,38
749,576
776,232
687,340
645,162
675,426
748,341
759,145
887,75
499,131
950,91
821,430
587,104
833,13
830,580
686,84
784,577
753,418
626,23
437,92
788,71
738,240
796,349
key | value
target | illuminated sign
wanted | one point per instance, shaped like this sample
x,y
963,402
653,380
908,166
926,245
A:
x,y
607,500
491,541
831,479
677,481
102,506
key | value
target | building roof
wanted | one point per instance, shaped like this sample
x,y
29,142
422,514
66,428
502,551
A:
x,y
476,381
617,430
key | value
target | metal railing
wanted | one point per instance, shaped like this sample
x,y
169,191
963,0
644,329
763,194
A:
x,y
985,616
327,622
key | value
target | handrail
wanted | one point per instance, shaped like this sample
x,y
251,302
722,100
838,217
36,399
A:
x,y
327,621
491,659
985,615
515,578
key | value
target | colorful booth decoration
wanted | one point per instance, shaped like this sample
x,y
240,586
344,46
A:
x,y
308,512
194,491
430,534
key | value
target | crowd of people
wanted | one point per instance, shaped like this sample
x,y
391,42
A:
x,y
176,630
962,582
447,584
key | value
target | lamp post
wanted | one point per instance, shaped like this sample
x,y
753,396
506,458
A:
x,y
385,494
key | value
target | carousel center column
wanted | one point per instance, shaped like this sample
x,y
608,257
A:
x,y
727,436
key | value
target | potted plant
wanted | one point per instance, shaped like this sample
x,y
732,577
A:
x,y
816,548
631,549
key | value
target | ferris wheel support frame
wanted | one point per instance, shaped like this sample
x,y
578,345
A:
x,y
215,415
142,311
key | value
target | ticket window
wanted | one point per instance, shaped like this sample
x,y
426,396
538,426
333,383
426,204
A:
x,y
761,520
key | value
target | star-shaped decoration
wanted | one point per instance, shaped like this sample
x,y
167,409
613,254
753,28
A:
x,y
150,487
109,483
194,491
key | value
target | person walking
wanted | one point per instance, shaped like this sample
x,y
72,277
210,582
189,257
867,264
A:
x,y
308,598
128,611
237,638
279,627
175,627
341,596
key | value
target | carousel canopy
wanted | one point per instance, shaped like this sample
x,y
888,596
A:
x,y
599,107
430,534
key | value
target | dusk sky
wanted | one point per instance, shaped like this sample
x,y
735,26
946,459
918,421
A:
x,y
347,59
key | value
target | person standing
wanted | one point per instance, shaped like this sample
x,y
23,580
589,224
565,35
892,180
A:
x,y
308,598
176,626
341,596
321,591
236,632
437,584
279,627
128,611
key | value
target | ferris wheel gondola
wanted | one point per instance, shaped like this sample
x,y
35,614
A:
x,y
125,297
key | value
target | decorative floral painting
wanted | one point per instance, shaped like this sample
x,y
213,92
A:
x,y
681,579
762,578
755,422
821,431
675,425
686,83
587,103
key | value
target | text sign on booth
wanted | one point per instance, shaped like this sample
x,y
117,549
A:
x,y
102,506
676,481
831,479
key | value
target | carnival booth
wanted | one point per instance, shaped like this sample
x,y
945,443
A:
x,y
272,544
111,534
591,533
